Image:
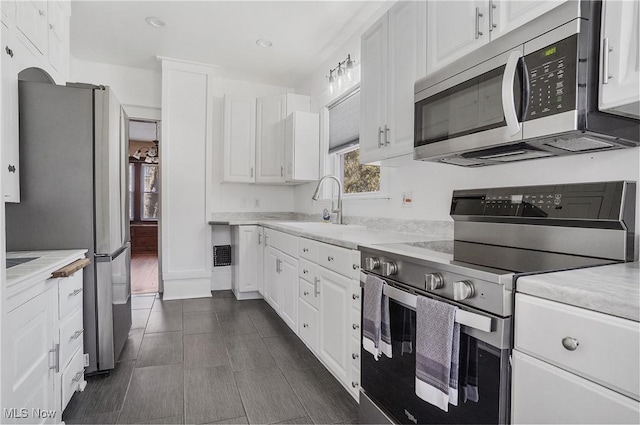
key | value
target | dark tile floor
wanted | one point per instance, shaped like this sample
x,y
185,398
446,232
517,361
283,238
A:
x,y
212,360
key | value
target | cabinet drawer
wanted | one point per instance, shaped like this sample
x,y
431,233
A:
x,y
340,260
308,325
282,241
72,378
71,337
608,347
307,270
308,293
308,249
355,352
354,384
542,393
70,293
355,323
356,295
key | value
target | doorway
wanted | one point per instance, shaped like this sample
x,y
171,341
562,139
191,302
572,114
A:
x,y
144,205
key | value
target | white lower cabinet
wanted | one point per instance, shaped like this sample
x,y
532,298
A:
x,y
581,365
288,282
308,320
281,276
246,248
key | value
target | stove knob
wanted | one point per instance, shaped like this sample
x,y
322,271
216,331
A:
x,y
371,263
389,268
463,290
434,281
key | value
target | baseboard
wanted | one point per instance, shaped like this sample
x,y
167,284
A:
x,y
221,278
253,295
179,289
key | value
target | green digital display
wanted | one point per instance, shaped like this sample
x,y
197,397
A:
x,y
550,51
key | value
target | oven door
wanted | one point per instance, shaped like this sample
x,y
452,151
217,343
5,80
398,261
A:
x,y
388,384
476,109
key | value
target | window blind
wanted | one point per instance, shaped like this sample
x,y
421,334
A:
x,y
344,122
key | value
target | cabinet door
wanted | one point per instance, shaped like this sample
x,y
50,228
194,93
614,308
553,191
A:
x,y
28,380
542,394
271,284
308,321
239,139
247,259
455,28
57,37
8,11
620,56
288,285
9,107
31,19
335,322
406,62
270,113
507,15
373,91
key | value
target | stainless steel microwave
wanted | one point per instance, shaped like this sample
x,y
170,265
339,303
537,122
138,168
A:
x,y
529,94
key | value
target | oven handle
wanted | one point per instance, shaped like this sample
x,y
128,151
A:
x,y
509,109
463,317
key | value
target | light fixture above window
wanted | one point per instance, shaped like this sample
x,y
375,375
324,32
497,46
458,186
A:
x,y
155,22
343,73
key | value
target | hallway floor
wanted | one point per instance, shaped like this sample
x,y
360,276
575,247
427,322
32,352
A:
x,y
144,273
212,360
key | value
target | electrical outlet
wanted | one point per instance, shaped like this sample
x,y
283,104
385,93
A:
x,y
256,203
86,359
407,199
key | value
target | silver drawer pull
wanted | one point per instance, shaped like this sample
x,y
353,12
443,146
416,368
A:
x,y
56,354
77,377
355,326
330,258
569,343
305,271
306,293
355,267
305,250
354,384
355,296
76,334
305,325
355,356
74,293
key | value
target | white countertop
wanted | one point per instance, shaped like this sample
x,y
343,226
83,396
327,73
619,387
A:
x,y
42,267
347,236
613,289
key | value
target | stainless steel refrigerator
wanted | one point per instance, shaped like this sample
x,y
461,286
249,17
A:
x,y
74,194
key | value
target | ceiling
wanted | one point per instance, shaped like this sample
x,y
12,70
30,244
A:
x,y
224,33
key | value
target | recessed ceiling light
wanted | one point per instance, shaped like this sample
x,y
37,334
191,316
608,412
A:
x,y
263,42
155,22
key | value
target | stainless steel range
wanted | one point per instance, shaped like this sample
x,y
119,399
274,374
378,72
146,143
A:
x,y
500,234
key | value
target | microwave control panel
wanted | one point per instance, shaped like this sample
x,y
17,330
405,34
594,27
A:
x,y
551,73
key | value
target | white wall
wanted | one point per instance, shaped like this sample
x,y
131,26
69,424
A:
x,y
431,184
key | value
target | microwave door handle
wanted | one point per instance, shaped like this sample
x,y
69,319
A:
x,y
508,106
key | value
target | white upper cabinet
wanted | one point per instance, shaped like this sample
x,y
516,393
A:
x,y
58,37
508,15
271,113
620,58
302,141
456,28
239,139
8,11
9,107
393,57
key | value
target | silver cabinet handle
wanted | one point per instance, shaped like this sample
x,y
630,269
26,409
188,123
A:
x,y
492,20
56,353
606,49
329,258
316,292
355,326
12,168
50,26
278,267
355,296
305,250
259,238
251,172
569,343
74,293
76,334
355,356
380,131
40,12
306,293
305,271
354,384
355,267
266,239
10,53
305,325
386,134
281,171
478,16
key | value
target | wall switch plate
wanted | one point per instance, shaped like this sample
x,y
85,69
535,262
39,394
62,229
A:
x,y
86,359
407,199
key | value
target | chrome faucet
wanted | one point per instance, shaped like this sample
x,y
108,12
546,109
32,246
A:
x,y
337,210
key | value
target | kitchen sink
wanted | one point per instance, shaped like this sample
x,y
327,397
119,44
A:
x,y
316,225
12,262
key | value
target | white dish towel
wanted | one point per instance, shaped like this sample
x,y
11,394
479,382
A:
x,y
376,330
